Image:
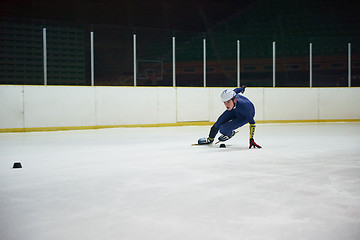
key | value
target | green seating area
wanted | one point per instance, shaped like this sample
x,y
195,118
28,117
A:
x,y
21,54
329,25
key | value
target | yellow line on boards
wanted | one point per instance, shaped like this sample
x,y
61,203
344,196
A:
x,y
42,129
309,121
204,123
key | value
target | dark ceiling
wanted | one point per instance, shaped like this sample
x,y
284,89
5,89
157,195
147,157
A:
x,y
195,15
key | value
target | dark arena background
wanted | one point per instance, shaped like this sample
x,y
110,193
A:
x,y
261,43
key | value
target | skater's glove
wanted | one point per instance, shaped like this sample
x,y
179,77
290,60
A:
x,y
205,140
253,144
243,88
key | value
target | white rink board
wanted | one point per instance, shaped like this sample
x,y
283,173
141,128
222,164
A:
x,y
216,107
192,104
58,106
126,105
166,109
339,103
67,106
11,107
290,104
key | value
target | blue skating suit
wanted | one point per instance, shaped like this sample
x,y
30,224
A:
x,y
241,114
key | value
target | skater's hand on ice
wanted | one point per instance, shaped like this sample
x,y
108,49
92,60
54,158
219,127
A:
x,y
253,144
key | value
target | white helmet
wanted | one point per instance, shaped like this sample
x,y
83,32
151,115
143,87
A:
x,y
227,94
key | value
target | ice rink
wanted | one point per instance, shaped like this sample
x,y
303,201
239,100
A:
x,y
150,183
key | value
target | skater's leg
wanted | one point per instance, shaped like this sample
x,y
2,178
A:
x,y
227,128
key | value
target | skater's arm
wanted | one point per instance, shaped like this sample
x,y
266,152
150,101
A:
x,y
240,90
213,132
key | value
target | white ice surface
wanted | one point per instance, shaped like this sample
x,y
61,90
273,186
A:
x,y
149,183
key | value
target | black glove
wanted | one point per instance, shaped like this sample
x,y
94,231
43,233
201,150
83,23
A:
x,y
253,144
243,88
